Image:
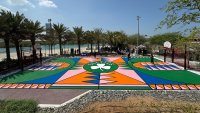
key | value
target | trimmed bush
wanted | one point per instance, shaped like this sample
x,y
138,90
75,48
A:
x,y
18,106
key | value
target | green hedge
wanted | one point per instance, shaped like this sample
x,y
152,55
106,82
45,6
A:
x,y
18,106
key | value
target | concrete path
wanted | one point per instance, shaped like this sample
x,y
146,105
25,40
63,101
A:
x,y
42,96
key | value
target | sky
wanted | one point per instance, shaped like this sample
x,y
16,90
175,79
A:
x,y
113,15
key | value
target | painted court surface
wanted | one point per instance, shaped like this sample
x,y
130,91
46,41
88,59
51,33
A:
x,y
137,73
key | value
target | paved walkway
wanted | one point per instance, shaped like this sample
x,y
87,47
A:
x,y
42,96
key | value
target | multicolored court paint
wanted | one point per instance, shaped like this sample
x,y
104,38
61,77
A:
x,y
104,73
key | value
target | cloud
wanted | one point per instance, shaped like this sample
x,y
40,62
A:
x,y
4,8
47,3
21,3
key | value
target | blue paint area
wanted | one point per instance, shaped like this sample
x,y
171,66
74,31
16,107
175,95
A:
x,y
46,80
174,66
93,81
154,80
168,67
154,67
161,66
34,67
148,67
75,59
125,59
96,78
104,60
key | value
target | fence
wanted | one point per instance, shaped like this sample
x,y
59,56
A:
x,y
186,57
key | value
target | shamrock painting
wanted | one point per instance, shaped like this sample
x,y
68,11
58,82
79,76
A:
x,y
100,67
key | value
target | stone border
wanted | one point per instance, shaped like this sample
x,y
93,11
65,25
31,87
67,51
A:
x,y
81,102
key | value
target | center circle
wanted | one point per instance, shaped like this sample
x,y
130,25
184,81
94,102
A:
x,y
100,67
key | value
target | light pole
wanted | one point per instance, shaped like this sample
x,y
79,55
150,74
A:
x,y
138,19
49,34
49,20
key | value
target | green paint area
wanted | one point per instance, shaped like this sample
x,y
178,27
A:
x,y
32,75
103,87
100,67
146,59
125,87
173,75
73,87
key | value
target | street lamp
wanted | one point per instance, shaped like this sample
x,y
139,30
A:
x,y
49,33
138,19
49,20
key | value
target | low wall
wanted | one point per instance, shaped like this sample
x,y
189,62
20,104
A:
x,y
107,95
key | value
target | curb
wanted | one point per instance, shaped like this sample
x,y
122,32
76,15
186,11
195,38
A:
x,y
65,103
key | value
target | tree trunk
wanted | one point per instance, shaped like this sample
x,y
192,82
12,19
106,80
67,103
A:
x,y
17,50
79,46
51,49
33,48
60,45
98,46
91,47
111,48
7,43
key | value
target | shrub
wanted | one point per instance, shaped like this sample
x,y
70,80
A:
x,y
18,106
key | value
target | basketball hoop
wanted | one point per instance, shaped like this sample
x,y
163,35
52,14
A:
x,y
167,44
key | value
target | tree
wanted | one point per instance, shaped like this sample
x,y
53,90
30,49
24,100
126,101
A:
x,y
98,37
181,12
132,39
79,34
5,31
16,32
32,29
110,39
121,40
60,30
51,40
193,45
161,38
89,36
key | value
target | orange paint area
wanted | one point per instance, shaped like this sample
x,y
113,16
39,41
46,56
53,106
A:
x,y
77,79
119,61
139,65
63,65
120,79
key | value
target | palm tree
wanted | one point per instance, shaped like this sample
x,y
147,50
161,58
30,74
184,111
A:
x,y
33,29
5,28
79,34
50,39
89,36
120,40
69,36
110,39
98,37
60,30
16,32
